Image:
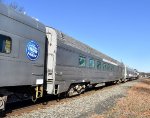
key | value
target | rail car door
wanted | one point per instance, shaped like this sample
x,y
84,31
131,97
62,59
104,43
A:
x,y
51,59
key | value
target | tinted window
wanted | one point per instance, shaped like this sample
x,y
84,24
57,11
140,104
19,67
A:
x,y
108,67
112,68
5,44
91,63
82,61
104,66
99,64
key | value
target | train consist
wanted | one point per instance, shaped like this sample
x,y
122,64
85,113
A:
x,y
37,61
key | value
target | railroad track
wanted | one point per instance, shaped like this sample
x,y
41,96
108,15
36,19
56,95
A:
x,y
16,109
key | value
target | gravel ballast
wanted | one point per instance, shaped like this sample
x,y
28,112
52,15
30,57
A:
x,y
83,107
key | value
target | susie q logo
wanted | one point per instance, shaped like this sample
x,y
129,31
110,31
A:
x,y
32,50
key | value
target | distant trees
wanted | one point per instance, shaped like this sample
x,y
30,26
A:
x,y
15,6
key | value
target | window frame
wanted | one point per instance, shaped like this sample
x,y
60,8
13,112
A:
x,y
93,63
104,66
100,63
7,38
82,57
112,68
108,67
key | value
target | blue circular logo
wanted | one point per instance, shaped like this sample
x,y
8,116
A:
x,y
32,50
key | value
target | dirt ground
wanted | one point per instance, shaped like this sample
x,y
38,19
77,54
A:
x,y
135,105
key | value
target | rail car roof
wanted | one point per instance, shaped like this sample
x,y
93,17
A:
x,y
83,47
20,17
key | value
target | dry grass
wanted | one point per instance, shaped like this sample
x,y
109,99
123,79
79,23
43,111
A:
x,y
97,116
135,105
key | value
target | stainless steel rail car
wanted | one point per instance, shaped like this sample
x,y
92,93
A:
x,y
22,52
76,65
131,74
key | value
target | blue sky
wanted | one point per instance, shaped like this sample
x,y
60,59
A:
x,y
118,28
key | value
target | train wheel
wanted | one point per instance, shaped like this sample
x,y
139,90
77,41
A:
x,y
71,91
76,89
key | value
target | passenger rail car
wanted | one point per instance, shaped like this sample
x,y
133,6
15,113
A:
x,y
22,54
131,74
36,61
78,64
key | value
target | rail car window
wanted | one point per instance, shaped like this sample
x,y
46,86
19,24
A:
x,y
91,63
112,68
104,66
5,44
82,61
108,67
99,65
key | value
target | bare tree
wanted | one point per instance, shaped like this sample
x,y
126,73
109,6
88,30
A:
x,y
15,6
